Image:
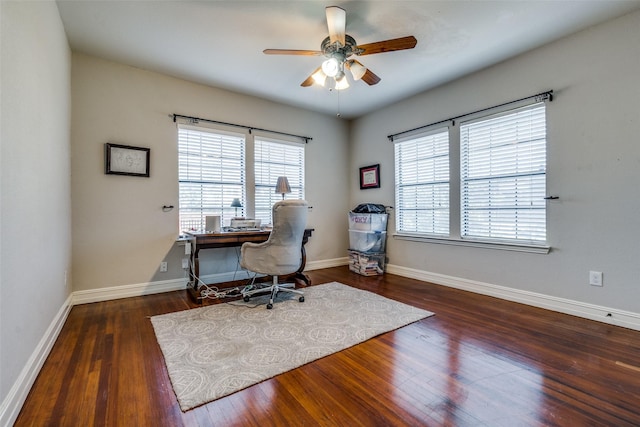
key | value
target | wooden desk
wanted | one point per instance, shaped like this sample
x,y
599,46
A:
x,y
229,239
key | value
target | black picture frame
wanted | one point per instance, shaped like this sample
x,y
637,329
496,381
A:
x,y
370,177
126,160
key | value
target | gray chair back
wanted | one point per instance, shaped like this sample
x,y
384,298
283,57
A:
x,y
281,253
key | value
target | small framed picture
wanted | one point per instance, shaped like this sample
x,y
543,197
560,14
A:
x,y
126,160
370,177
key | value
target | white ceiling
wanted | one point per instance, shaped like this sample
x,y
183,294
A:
x,y
220,43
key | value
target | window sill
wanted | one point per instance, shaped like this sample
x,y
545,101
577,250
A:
x,y
529,248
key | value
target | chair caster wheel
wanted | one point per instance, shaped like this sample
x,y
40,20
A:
x,y
245,299
301,299
269,306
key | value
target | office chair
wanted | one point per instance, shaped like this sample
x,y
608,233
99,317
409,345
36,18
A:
x,y
281,253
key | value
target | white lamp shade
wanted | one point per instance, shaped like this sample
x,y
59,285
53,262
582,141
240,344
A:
x,y
282,186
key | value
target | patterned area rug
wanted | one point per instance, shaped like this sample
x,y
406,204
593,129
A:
x,y
213,351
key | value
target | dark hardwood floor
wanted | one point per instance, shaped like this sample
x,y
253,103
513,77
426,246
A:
x,y
479,361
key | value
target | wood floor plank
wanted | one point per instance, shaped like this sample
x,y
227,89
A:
x,y
480,361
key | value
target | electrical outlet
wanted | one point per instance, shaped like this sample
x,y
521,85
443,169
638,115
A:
x,y
185,263
595,278
163,267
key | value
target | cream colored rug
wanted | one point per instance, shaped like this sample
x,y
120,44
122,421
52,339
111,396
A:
x,y
214,351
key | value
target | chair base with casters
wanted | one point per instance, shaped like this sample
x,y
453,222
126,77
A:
x,y
275,287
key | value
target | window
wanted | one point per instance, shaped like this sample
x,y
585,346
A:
x,y
211,173
503,176
494,165
422,183
273,159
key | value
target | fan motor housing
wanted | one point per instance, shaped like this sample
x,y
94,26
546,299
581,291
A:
x,y
336,50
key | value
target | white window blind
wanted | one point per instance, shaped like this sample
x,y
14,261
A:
x,y
422,183
273,159
503,176
211,174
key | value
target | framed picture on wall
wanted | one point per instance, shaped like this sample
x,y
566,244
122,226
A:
x,y
370,177
126,160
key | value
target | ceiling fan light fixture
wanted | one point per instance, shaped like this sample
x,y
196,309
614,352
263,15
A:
x,y
331,67
319,77
357,69
342,83
338,47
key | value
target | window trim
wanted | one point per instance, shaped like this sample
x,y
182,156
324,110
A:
x,y
474,243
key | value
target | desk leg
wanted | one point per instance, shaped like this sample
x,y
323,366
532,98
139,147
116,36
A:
x,y
299,273
193,288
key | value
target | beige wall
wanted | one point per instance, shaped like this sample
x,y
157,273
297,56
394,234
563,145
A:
x,y
35,200
120,233
593,165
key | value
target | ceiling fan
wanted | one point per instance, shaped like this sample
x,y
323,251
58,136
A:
x,y
338,49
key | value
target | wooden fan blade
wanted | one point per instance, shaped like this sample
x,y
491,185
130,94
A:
x,y
337,23
309,81
370,78
401,43
292,52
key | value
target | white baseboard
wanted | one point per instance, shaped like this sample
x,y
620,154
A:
x,y
10,407
127,291
608,315
326,263
139,289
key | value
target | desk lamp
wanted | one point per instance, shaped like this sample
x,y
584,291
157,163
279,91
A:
x,y
236,204
282,186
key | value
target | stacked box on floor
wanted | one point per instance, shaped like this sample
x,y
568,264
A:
x,y
366,264
367,240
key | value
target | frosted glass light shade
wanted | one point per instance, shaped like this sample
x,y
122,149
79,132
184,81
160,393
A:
x,y
342,83
319,77
357,70
331,67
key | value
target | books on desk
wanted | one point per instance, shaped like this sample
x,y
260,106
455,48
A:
x,y
245,223
186,235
